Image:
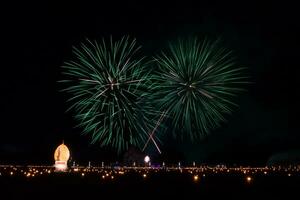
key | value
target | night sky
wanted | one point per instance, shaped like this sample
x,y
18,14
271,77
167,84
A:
x,y
39,37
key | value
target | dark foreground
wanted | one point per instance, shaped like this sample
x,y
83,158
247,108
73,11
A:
x,y
146,184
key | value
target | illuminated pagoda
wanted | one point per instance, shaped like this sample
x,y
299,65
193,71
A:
x,y
61,157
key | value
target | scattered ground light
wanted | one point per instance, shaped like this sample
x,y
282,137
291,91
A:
x,y
249,179
113,173
196,178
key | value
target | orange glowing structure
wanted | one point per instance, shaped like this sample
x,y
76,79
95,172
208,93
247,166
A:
x,y
61,157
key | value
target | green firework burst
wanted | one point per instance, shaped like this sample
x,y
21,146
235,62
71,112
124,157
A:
x,y
196,82
109,85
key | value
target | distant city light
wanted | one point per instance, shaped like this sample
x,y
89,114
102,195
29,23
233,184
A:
x,y
147,159
196,178
249,179
194,174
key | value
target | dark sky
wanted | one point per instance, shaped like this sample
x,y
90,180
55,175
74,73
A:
x,y
37,38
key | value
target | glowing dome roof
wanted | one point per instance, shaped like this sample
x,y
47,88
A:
x,y
62,153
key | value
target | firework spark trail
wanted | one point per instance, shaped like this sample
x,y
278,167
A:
x,y
196,82
162,116
113,91
154,142
109,86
